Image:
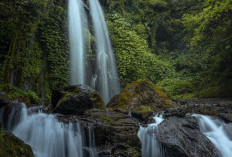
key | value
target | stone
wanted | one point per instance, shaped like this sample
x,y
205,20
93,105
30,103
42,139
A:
x,y
75,100
115,133
221,108
140,98
4,99
11,146
181,137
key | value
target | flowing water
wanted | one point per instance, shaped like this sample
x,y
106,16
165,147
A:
x,y
91,149
47,136
78,27
218,132
107,82
147,136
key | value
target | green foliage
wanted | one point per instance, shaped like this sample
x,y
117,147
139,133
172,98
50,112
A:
x,y
18,23
29,97
134,58
185,45
178,86
54,44
34,48
210,31
192,37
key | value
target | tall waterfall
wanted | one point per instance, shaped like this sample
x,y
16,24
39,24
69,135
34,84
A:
x,y
147,136
47,136
77,30
107,82
218,132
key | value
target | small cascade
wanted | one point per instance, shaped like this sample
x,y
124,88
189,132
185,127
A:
x,y
218,132
47,136
91,149
107,81
147,136
78,27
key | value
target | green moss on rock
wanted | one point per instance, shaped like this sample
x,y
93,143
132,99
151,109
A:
x,y
11,146
141,97
29,97
76,100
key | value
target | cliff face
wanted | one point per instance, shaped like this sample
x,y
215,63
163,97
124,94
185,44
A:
x,y
34,46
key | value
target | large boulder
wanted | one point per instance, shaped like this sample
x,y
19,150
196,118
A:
x,y
181,137
75,100
115,133
11,146
140,98
4,99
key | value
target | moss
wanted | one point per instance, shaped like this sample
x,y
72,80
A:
x,y
144,111
106,119
74,91
11,146
66,97
29,97
134,152
139,93
161,93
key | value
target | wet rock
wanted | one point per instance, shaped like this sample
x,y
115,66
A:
x,y
75,100
11,146
115,133
4,99
221,108
11,115
181,137
140,98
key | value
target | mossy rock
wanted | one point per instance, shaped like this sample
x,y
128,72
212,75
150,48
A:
x,y
116,129
75,100
11,146
30,98
141,98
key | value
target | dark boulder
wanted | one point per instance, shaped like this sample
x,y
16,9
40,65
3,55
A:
x,y
115,133
11,146
140,98
75,100
181,137
4,99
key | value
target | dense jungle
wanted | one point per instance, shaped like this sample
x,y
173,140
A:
x,y
172,58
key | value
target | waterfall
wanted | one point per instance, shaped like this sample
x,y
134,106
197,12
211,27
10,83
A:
x,y
218,132
107,82
150,145
77,39
47,136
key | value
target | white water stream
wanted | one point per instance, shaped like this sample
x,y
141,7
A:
x,y
78,28
218,132
47,136
147,136
106,79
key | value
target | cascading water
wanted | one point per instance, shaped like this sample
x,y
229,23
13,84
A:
x,y
77,37
107,82
44,133
150,145
218,132
91,143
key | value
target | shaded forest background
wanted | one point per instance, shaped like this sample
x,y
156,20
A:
x,y
184,46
